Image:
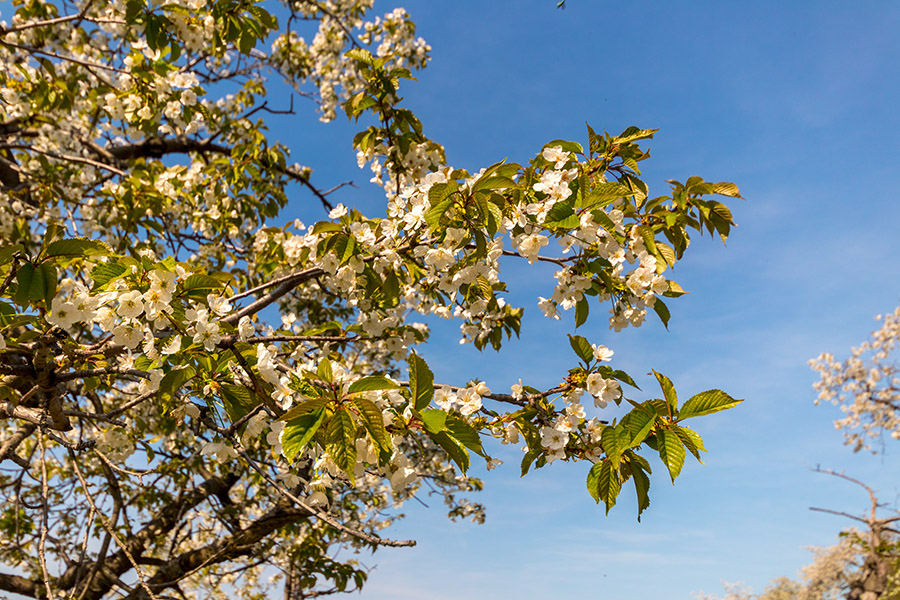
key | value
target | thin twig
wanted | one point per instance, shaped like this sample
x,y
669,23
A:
x,y
45,516
71,59
109,528
69,157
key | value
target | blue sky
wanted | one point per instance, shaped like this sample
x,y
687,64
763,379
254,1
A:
x,y
796,102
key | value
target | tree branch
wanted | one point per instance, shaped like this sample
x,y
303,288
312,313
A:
x,y
20,585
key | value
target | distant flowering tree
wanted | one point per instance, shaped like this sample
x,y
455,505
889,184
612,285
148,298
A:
x,y
866,385
197,395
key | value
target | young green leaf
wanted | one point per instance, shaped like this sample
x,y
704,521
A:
x,y
706,403
303,408
671,452
641,485
669,392
464,433
298,432
638,423
691,440
603,483
662,311
372,383
340,441
434,420
77,247
454,449
173,381
421,382
582,308
324,370
238,401
582,348
373,420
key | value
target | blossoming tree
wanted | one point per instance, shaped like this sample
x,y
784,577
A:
x,y
866,385
195,393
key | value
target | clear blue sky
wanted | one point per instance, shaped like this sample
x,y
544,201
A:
x,y
794,101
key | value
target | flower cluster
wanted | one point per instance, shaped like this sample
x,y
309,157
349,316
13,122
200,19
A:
x,y
866,386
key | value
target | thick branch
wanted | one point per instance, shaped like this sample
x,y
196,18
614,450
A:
x,y
159,147
20,585
8,447
289,284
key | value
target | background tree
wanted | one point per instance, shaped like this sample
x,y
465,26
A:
x,y
866,385
194,391
863,565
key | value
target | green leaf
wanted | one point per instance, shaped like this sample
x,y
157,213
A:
x,y
638,422
648,237
325,226
609,441
668,391
565,145
344,246
48,275
340,441
103,273
372,383
361,54
582,348
77,247
9,317
706,403
494,183
691,440
671,452
674,291
298,432
634,133
324,370
434,420
726,188
173,381
436,212
529,458
662,311
641,483
484,288
200,282
373,420
603,483
439,192
624,378
562,215
464,433
25,277
7,252
303,408
421,382
582,309
454,449
238,401
263,16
